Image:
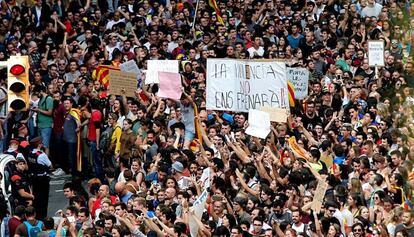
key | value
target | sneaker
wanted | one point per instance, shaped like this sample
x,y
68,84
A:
x,y
58,172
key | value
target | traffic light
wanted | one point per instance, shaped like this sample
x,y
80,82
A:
x,y
18,83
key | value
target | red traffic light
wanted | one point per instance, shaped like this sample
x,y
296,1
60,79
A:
x,y
17,69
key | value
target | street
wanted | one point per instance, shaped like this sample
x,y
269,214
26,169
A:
x,y
56,199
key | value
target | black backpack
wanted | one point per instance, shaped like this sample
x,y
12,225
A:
x,y
34,167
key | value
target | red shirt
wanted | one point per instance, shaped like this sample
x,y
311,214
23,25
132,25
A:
x,y
97,204
13,224
58,119
96,119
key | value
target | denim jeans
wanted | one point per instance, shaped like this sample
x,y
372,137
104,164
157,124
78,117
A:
x,y
97,160
45,133
32,129
70,148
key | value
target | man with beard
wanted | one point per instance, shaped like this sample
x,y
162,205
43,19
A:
x,y
141,114
239,205
70,128
278,214
358,230
57,133
310,118
407,223
94,132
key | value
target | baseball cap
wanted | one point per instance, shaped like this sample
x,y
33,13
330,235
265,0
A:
x,y
177,166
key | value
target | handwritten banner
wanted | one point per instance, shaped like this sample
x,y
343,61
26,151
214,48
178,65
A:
x,y
240,85
276,114
122,80
376,53
299,77
155,66
319,196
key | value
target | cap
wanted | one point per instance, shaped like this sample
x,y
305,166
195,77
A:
x,y
14,141
24,144
177,166
36,141
20,159
228,118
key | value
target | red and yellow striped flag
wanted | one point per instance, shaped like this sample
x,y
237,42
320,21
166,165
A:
x,y
102,74
76,113
291,94
213,4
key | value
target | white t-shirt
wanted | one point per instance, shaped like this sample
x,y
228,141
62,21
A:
x,y
372,11
253,52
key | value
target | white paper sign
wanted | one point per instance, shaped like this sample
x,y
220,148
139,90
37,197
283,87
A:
x,y
376,53
129,66
155,66
299,77
259,123
240,85
199,203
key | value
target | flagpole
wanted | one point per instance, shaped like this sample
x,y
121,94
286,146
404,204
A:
x,y
194,20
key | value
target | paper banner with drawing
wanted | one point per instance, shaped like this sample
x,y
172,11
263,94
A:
x,y
276,114
319,196
259,123
155,66
299,77
122,80
376,53
170,85
239,85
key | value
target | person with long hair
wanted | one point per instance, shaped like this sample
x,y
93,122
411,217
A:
x,y
127,139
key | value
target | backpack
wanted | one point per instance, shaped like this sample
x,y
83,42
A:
x,y
106,138
32,231
34,167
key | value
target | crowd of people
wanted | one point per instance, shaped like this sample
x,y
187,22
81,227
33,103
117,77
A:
x,y
147,160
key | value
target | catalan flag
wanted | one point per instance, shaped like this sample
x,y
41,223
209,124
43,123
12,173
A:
x,y
213,4
102,74
77,115
291,94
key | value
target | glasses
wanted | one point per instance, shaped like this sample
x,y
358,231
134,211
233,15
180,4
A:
x,y
357,230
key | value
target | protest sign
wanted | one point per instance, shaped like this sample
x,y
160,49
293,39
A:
x,y
129,66
299,77
259,123
376,53
170,85
155,66
199,204
240,85
276,114
122,80
319,196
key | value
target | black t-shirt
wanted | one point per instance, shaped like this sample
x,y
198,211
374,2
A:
x,y
310,123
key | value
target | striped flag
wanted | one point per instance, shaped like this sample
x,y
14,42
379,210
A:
x,y
102,74
213,4
291,95
76,113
